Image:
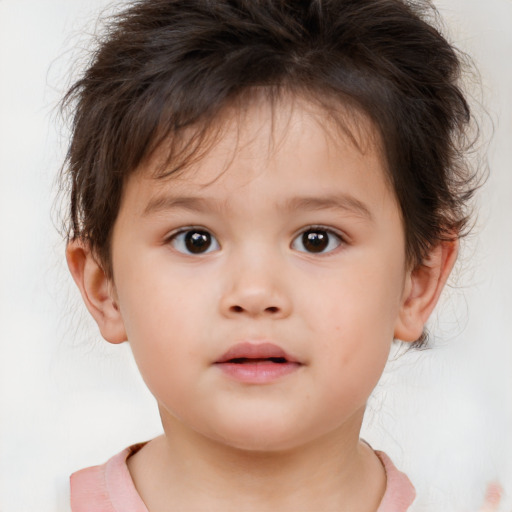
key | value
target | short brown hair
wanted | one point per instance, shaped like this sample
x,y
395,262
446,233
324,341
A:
x,y
167,65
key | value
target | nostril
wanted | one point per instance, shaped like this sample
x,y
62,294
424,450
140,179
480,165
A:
x,y
240,309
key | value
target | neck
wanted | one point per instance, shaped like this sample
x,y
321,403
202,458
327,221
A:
x,y
183,470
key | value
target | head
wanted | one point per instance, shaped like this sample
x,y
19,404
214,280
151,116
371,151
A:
x,y
255,105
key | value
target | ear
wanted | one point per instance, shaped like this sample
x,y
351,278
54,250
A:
x,y
97,291
422,289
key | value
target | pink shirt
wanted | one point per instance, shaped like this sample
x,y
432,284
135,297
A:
x,y
110,488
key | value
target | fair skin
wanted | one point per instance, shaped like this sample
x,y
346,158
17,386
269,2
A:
x,y
284,233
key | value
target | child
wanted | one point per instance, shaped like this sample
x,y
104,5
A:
x,y
264,195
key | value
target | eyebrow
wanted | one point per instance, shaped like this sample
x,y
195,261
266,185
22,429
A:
x,y
164,203
344,202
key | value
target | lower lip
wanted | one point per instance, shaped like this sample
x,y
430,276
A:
x,y
260,372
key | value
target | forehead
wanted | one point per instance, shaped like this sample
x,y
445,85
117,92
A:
x,y
292,141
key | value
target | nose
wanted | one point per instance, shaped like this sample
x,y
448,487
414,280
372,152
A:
x,y
256,288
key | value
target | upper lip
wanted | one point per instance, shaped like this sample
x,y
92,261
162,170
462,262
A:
x,y
248,350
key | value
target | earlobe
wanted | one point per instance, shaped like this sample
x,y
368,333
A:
x,y
422,290
97,291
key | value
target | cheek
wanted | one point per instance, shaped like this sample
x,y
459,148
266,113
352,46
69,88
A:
x,y
163,323
156,299
353,325
354,363
357,304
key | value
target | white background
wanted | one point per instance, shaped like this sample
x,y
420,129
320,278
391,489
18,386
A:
x,y
69,400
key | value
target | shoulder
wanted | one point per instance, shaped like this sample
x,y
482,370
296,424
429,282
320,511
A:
x,y
107,487
400,492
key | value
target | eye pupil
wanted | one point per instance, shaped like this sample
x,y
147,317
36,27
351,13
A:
x,y
198,241
315,241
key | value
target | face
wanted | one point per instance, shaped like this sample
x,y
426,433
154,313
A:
x,y
261,288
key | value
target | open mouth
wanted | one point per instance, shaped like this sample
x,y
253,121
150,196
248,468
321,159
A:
x,y
246,353
256,360
257,363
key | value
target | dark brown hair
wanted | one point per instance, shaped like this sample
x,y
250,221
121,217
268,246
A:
x,y
163,66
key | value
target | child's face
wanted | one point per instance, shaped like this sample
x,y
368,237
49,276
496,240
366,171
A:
x,y
298,244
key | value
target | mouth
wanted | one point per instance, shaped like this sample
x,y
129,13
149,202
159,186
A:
x,y
256,360
257,363
243,353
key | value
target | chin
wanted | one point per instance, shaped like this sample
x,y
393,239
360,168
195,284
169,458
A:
x,y
261,436
260,443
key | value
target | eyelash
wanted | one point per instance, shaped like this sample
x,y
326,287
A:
x,y
205,236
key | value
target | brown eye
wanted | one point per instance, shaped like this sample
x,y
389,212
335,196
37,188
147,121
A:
x,y
317,241
194,241
198,241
